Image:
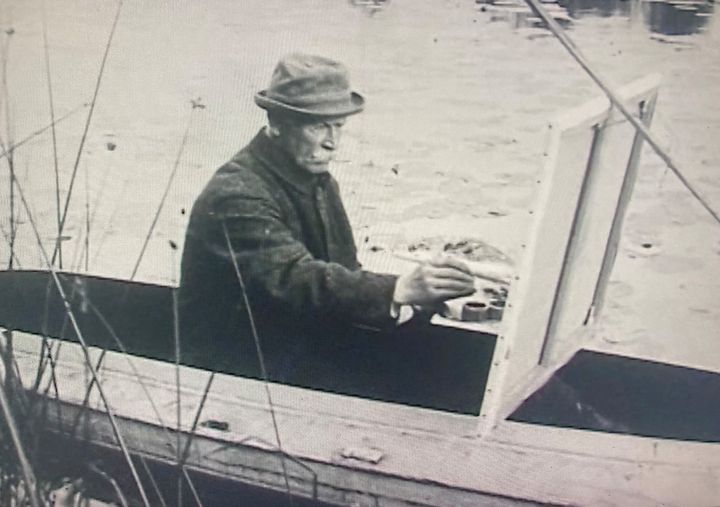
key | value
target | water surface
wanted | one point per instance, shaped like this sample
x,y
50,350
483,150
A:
x,y
450,143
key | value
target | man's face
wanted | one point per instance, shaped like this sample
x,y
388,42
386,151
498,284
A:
x,y
312,144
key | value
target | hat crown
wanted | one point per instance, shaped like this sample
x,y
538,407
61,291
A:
x,y
305,79
312,85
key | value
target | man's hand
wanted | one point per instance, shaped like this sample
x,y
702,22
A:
x,y
433,282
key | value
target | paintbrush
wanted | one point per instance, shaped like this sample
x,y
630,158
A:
x,y
495,272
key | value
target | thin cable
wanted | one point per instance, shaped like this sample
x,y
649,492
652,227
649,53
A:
x,y
171,178
261,358
85,132
557,30
85,348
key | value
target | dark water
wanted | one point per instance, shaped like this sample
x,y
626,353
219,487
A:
x,y
667,18
580,8
663,17
671,19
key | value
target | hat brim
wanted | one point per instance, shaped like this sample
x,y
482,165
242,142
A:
x,y
355,105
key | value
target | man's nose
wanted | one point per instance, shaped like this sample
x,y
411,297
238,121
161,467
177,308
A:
x,y
332,137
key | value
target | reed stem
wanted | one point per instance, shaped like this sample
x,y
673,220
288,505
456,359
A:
x,y
52,124
88,120
27,471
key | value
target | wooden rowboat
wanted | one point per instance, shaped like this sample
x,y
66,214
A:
x,y
562,417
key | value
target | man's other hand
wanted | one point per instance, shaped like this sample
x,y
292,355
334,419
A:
x,y
431,283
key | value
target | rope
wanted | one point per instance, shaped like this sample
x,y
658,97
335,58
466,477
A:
x,y
557,30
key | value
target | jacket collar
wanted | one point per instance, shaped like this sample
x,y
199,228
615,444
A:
x,y
275,159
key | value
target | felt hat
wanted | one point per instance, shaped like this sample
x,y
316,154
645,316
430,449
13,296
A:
x,y
310,85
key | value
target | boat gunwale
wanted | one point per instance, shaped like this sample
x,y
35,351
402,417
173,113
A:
x,y
621,464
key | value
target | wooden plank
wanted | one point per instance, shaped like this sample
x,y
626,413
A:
x,y
609,445
578,234
425,467
242,391
611,249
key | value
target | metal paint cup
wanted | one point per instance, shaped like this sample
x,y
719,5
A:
x,y
495,309
474,311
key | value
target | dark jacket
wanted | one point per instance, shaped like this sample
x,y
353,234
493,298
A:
x,y
290,236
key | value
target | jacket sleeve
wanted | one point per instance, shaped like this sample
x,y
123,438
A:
x,y
276,265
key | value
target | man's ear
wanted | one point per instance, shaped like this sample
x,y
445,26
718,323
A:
x,y
274,124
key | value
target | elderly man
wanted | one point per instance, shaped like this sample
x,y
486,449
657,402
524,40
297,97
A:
x,y
269,249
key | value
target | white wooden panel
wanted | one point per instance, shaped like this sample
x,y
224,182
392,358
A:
x,y
530,298
590,234
564,183
564,254
595,214
623,203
